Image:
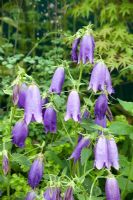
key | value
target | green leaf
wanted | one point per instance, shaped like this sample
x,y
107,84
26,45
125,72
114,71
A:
x,y
121,128
9,21
85,154
20,159
128,106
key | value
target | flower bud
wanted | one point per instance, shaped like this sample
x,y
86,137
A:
x,y
52,194
31,196
50,120
74,53
112,189
69,194
5,163
15,96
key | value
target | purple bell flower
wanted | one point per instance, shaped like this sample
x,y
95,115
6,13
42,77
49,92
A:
x,y
50,120
101,122
69,194
31,196
74,53
112,153
22,95
52,194
33,105
112,189
20,133
100,78
73,107
101,106
82,143
57,80
86,52
36,172
5,163
15,96
101,153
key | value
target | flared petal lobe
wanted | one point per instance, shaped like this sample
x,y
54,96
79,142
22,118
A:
x,y
33,105
74,53
20,133
52,194
113,153
101,106
22,95
57,80
50,120
73,107
101,153
31,196
86,52
69,194
36,172
5,163
112,189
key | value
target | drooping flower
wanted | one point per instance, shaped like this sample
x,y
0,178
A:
x,y
15,96
113,153
69,194
101,153
82,143
101,122
36,172
74,53
20,133
112,189
31,196
5,163
73,107
86,52
101,106
33,105
50,120
100,78
52,194
57,80
22,95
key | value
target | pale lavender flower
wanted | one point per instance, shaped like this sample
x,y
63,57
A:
x,y
22,95
15,96
69,194
82,143
113,153
36,172
73,107
52,194
57,80
5,163
101,153
101,106
33,105
74,53
86,52
100,78
112,189
50,120
20,133
31,196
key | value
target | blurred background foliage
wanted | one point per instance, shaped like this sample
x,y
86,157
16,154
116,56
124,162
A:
x,y
35,35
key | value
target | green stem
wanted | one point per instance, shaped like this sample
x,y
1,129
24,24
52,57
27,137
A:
x,y
91,190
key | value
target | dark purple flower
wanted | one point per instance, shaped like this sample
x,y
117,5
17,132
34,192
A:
x,y
52,194
15,96
20,133
112,189
86,52
69,194
86,114
112,153
33,105
101,153
22,95
31,196
50,120
36,172
73,107
74,53
5,163
100,78
101,122
82,143
101,106
57,80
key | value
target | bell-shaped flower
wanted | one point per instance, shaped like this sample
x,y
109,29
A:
x,y
31,196
101,153
101,106
86,52
50,120
73,107
57,80
74,53
20,133
112,189
113,154
52,194
69,194
36,172
82,143
101,122
33,105
100,78
5,162
15,95
22,95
